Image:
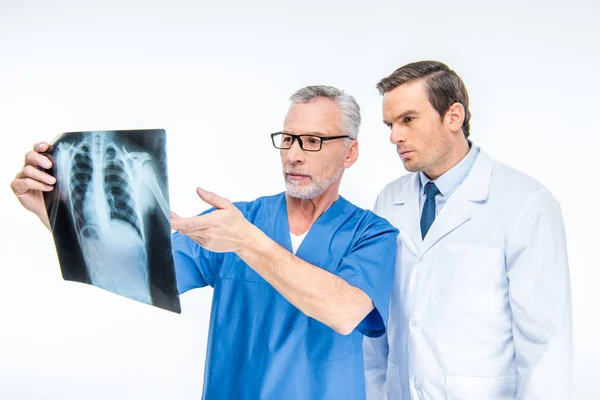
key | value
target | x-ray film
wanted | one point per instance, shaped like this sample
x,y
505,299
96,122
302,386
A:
x,y
110,213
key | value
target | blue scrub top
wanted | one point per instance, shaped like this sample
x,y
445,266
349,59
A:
x,y
260,346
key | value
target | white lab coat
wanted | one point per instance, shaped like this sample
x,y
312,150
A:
x,y
481,308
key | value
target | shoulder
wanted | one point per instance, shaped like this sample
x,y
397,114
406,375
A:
x,y
367,221
399,190
396,186
516,186
505,175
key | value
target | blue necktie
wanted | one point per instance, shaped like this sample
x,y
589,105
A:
x,y
428,214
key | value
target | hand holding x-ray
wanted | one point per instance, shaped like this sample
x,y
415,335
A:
x,y
31,181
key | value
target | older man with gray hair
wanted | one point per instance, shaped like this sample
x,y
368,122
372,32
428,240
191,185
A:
x,y
299,277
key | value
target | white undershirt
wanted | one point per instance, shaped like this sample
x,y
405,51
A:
x,y
296,241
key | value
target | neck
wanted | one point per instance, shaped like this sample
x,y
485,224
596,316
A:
x,y
302,213
454,156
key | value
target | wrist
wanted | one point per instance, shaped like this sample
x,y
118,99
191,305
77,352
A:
x,y
46,221
252,245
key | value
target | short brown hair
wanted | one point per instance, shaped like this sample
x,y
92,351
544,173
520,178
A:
x,y
444,86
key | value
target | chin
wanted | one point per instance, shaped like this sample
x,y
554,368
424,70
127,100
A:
x,y
409,166
299,192
414,167
303,191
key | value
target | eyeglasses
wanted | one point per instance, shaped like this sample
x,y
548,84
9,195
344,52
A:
x,y
307,142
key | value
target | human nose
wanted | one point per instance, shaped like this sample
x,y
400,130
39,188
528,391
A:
x,y
398,134
295,154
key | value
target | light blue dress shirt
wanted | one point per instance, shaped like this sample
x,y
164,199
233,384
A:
x,y
449,181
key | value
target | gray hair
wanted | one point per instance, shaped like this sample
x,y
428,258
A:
x,y
350,110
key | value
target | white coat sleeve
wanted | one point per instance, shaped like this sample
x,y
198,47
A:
x,y
540,300
375,352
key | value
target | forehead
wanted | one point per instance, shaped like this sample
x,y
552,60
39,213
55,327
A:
x,y
408,96
321,115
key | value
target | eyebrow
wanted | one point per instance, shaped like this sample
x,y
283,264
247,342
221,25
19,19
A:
x,y
402,115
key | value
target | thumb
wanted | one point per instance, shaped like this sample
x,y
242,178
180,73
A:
x,y
212,199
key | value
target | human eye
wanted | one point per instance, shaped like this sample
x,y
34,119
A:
x,y
286,139
408,119
313,140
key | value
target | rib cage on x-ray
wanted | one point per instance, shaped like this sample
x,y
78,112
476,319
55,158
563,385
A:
x,y
109,190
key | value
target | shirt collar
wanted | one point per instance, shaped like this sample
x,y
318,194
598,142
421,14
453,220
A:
x,y
451,179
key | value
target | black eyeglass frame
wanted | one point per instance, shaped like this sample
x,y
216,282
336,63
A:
x,y
299,138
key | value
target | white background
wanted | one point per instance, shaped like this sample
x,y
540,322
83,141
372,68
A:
x,y
217,76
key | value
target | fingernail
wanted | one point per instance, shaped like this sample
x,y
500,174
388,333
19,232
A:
x,y
51,179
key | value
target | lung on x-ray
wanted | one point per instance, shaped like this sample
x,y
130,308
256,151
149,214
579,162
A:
x,y
110,213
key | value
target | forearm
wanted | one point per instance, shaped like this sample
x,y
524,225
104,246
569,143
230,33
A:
x,y
314,291
540,300
547,375
543,339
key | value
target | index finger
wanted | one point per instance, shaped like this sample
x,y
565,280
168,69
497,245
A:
x,y
41,147
191,224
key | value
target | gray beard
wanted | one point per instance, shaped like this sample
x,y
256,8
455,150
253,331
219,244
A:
x,y
312,190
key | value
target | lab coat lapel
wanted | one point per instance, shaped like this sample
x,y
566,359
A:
x,y
459,207
407,200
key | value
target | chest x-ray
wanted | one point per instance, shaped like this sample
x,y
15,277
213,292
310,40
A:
x,y
109,213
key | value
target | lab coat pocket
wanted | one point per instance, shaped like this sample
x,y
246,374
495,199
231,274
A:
x,y
468,278
477,388
393,381
323,343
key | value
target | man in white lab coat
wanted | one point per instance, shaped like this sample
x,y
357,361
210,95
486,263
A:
x,y
481,304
